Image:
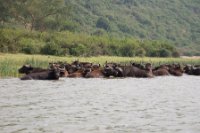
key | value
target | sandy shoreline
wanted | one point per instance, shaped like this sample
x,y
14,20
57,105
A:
x,y
190,57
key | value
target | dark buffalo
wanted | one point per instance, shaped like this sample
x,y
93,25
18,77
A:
x,y
51,74
137,71
141,66
63,73
162,70
187,69
78,74
95,73
128,71
96,66
61,66
192,70
176,70
144,72
110,71
27,69
72,68
195,70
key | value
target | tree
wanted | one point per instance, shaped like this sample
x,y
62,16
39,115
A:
x,y
51,48
128,50
165,53
103,23
78,50
32,13
3,11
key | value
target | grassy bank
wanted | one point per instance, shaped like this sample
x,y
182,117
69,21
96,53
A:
x,y
9,63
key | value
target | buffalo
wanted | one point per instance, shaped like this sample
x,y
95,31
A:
x,y
50,74
145,72
61,66
162,70
72,68
27,69
95,73
89,70
110,71
128,71
78,74
176,70
192,70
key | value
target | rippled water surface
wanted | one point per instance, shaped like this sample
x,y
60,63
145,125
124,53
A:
x,y
161,105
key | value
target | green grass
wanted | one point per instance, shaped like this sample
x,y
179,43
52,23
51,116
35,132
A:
x,y
10,63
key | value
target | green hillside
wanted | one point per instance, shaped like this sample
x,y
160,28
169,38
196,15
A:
x,y
177,21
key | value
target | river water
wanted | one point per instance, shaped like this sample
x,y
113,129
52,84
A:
x,y
159,105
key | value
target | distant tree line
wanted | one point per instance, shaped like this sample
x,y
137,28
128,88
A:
x,y
79,44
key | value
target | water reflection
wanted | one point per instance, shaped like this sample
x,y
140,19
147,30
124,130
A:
x,y
167,104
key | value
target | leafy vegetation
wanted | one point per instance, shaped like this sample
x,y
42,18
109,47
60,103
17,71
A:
x,y
176,21
95,26
68,43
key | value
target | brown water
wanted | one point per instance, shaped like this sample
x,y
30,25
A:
x,y
161,105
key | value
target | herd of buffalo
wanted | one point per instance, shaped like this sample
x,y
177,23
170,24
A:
x,y
79,69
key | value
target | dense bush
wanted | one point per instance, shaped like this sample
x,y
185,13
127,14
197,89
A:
x,y
77,44
103,23
78,50
30,46
51,48
165,53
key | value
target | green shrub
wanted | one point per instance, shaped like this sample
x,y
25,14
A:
x,y
175,54
9,40
140,52
165,53
70,26
103,23
51,48
127,50
30,46
78,50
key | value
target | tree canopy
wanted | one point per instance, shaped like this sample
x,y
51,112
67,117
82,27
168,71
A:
x,y
33,13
